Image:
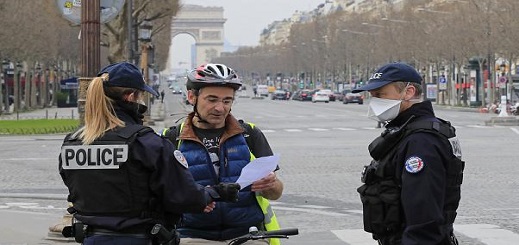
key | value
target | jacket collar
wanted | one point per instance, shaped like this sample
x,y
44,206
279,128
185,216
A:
x,y
232,127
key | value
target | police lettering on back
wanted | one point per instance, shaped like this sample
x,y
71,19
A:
x,y
94,156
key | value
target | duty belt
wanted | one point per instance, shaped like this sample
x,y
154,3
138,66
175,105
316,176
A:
x,y
105,232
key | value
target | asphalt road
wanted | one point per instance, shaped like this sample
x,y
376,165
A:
x,y
323,148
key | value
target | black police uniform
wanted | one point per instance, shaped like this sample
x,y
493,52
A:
x,y
125,182
411,189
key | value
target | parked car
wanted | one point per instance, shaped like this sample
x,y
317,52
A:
x,y
350,97
320,96
279,95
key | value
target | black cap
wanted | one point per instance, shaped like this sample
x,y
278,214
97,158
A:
x,y
392,72
126,75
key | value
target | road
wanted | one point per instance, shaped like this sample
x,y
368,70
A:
x,y
323,148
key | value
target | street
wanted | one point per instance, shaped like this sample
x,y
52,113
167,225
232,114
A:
x,y
323,148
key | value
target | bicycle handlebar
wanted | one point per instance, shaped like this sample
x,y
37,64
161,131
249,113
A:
x,y
283,232
254,234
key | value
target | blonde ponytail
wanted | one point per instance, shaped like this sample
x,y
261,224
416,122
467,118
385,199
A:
x,y
99,112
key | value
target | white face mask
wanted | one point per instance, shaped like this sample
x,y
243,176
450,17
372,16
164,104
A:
x,y
383,110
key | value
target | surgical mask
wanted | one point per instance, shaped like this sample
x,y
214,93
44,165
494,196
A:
x,y
141,107
383,110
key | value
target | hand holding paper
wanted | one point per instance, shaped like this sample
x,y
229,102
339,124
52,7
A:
x,y
257,169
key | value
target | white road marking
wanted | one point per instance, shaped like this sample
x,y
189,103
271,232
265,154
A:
x,y
485,233
318,129
293,130
345,129
488,234
311,211
268,131
515,130
355,236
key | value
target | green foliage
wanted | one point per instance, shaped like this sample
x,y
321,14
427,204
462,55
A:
x,y
39,126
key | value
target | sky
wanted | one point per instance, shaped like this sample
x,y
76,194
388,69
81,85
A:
x,y
245,21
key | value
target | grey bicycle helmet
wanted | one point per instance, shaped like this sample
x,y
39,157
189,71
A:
x,y
212,75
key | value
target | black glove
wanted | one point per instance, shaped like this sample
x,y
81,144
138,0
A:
x,y
226,192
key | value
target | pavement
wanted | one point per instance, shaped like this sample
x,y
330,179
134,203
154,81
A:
x,y
19,227
36,225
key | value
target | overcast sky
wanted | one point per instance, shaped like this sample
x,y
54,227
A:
x,y
245,21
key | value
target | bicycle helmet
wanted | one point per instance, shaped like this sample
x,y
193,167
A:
x,y
212,75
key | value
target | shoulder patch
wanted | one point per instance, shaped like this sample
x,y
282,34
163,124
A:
x,y
414,164
180,158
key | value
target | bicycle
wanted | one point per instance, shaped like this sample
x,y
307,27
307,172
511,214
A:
x,y
255,234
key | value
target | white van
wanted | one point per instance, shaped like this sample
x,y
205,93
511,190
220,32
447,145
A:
x,y
263,90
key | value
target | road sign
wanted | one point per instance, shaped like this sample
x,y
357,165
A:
x,y
442,83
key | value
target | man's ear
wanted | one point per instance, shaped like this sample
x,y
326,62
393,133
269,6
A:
x,y
191,97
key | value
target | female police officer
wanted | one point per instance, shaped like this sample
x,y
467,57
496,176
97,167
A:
x,y
122,177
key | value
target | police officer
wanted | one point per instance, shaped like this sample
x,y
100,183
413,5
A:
x,y
411,189
123,179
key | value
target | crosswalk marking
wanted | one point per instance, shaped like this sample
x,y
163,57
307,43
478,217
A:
x,y
296,130
485,233
355,236
488,234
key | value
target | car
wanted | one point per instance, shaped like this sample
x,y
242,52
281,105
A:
x,y
329,92
319,96
338,95
176,90
303,95
350,97
263,90
279,95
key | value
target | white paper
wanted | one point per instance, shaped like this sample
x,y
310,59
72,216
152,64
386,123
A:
x,y
257,169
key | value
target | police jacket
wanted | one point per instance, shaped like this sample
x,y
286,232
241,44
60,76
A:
x,y
128,180
228,220
412,189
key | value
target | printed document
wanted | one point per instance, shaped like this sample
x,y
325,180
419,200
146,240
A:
x,y
257,169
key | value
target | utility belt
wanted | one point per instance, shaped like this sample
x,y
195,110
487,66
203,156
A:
x,y
158,235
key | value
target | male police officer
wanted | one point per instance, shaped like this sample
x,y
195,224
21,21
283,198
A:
x,y
411,188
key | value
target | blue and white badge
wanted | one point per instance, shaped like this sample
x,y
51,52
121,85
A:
x,y
414,165
180,158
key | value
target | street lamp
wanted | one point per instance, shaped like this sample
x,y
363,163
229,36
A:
x,y
18,97
145,30
5,68
38,86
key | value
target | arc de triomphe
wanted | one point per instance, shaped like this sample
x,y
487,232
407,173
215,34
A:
x,y
205,25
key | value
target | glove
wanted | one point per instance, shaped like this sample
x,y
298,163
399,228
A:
x,y
226,192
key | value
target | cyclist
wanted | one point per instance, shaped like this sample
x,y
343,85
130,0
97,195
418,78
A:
x,y
217,146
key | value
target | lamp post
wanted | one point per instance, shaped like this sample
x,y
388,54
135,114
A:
x,y
38,86
17,86
145,29
5,66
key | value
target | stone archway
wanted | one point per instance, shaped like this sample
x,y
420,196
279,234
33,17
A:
x,y
205,25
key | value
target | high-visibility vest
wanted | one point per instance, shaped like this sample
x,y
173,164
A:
x,y
269,221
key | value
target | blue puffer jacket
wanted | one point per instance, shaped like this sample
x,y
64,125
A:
x,y
227,220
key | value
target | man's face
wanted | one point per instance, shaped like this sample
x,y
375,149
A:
x,y
391,91
213,104
388,91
